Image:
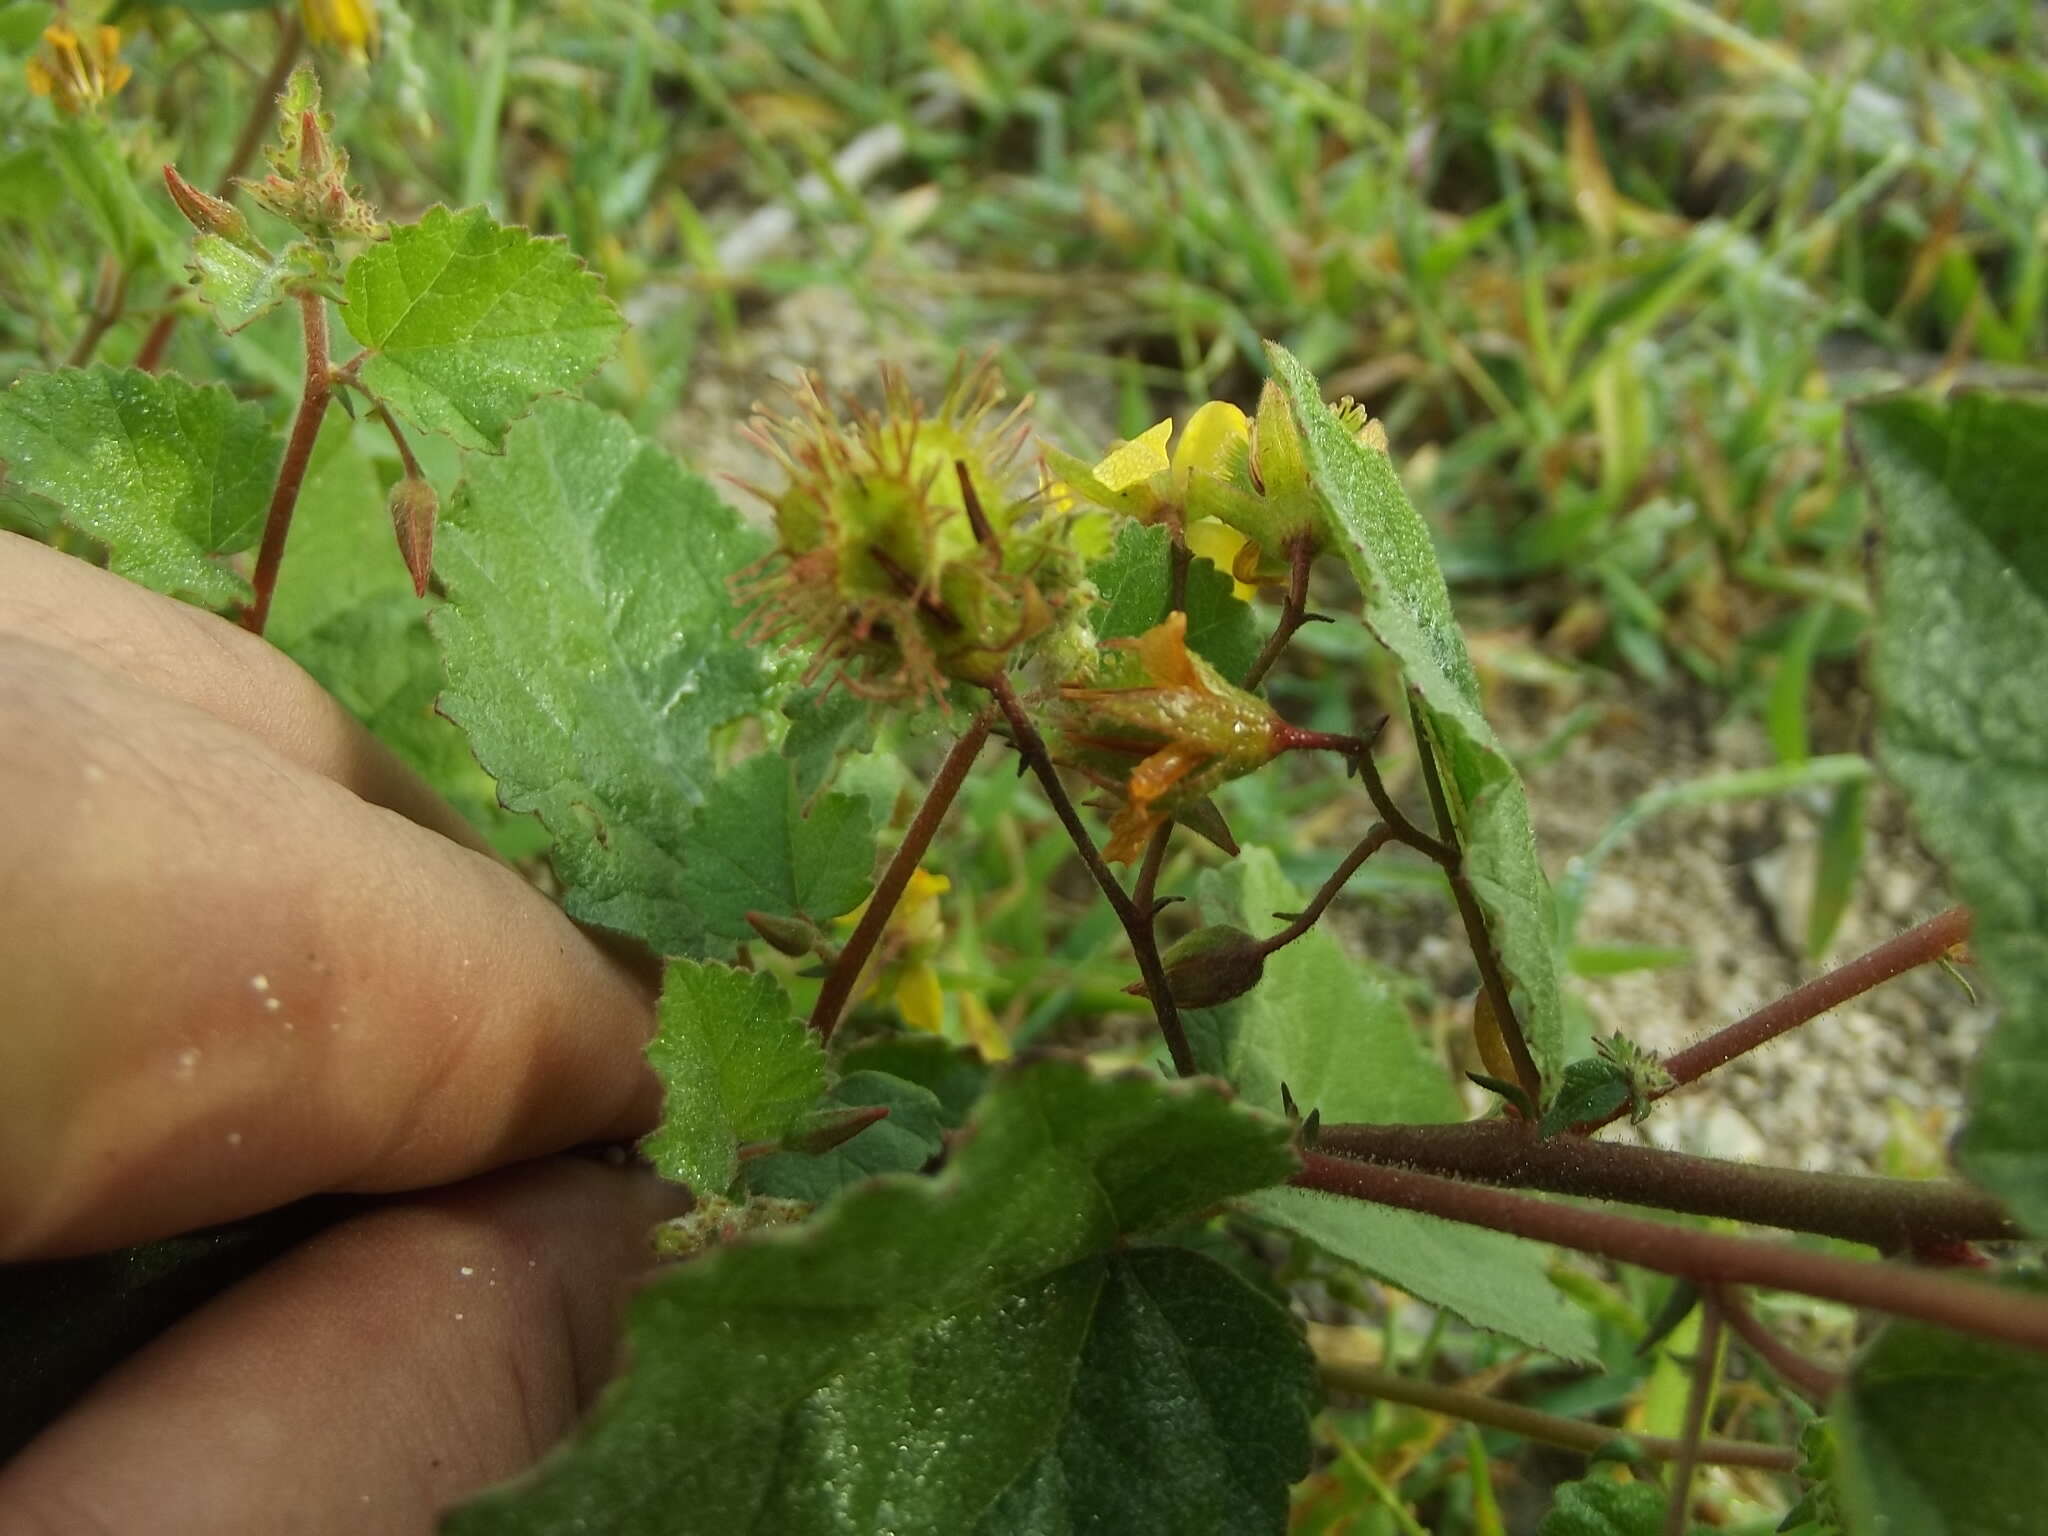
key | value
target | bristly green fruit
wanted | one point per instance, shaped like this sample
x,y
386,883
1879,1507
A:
x,y
903,560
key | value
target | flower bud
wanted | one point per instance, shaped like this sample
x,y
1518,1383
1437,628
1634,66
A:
x,y
1211,966
212,215
786,935
414,508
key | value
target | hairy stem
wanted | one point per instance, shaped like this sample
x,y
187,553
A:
x,y
1372,843
1893,1215
1814,1382
1293,612
1137,924
1705,1257
1706,1372
837,991
1911,949
1535,1424
298,453
290,38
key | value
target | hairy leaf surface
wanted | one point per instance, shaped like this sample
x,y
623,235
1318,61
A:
x,y
1962,637
589,647
912,1136
1599,1506
467,322
756,846
1408,608
169,475
909,1360
1135,580
737,1064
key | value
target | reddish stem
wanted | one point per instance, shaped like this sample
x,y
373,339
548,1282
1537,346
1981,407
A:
x,y
1293,612
1814,1382
1894,1215
1370,844
1704,1257
298,453
837,991
1911,949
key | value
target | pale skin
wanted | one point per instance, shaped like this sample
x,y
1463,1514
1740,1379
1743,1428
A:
x,y
247,956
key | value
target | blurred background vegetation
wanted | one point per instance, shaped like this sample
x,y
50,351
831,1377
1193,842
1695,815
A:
x,y
1607,269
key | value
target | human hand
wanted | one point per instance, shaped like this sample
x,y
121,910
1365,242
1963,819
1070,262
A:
x,y
246,956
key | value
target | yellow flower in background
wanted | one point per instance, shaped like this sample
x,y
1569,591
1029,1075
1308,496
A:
x,y
349,25
78,73
983,1032
902,964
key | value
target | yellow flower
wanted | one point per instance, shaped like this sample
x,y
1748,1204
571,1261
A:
x,y
902,962
1139,478
1173,738
78,73
349,25
983,1033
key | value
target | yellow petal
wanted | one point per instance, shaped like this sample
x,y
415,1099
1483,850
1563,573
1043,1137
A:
x,y
1136,461
983,1033
1206,444
1222,545
919,999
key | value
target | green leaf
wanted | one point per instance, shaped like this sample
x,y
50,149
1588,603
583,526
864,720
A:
x,y
908,1360
824,725
234,282
93,163
1601,1507
755,846
1592,1089
1135,583
1940,1434
1408,608
1331,1027
345,611
1186,1415
912,1136
955,1074
1835,871
169,475
737,1064
1963,628
590,655
467,322
1326,1023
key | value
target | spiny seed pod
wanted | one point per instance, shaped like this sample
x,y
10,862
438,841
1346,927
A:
x,y
1210,967
902,558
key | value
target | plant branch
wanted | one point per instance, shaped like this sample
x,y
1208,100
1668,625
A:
x,y
1814,1382
840,981
1705,1257
1137,924
1893,1215
298,453
1405,831
1699,1399
110,300
290,38
1911,949
389,423
1293,612
1372,843
1535,1424
1477,937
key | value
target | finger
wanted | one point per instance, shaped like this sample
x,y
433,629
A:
x,y
228,982
366,1380
188,654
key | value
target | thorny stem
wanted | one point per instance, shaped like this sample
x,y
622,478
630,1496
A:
x,y
834,995
1145,896
1137,924
1293,612
290,38
1892,1215
1706,1371
298,453
1305,919
1704,1257
1814,1382
1405,831
1535,1424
